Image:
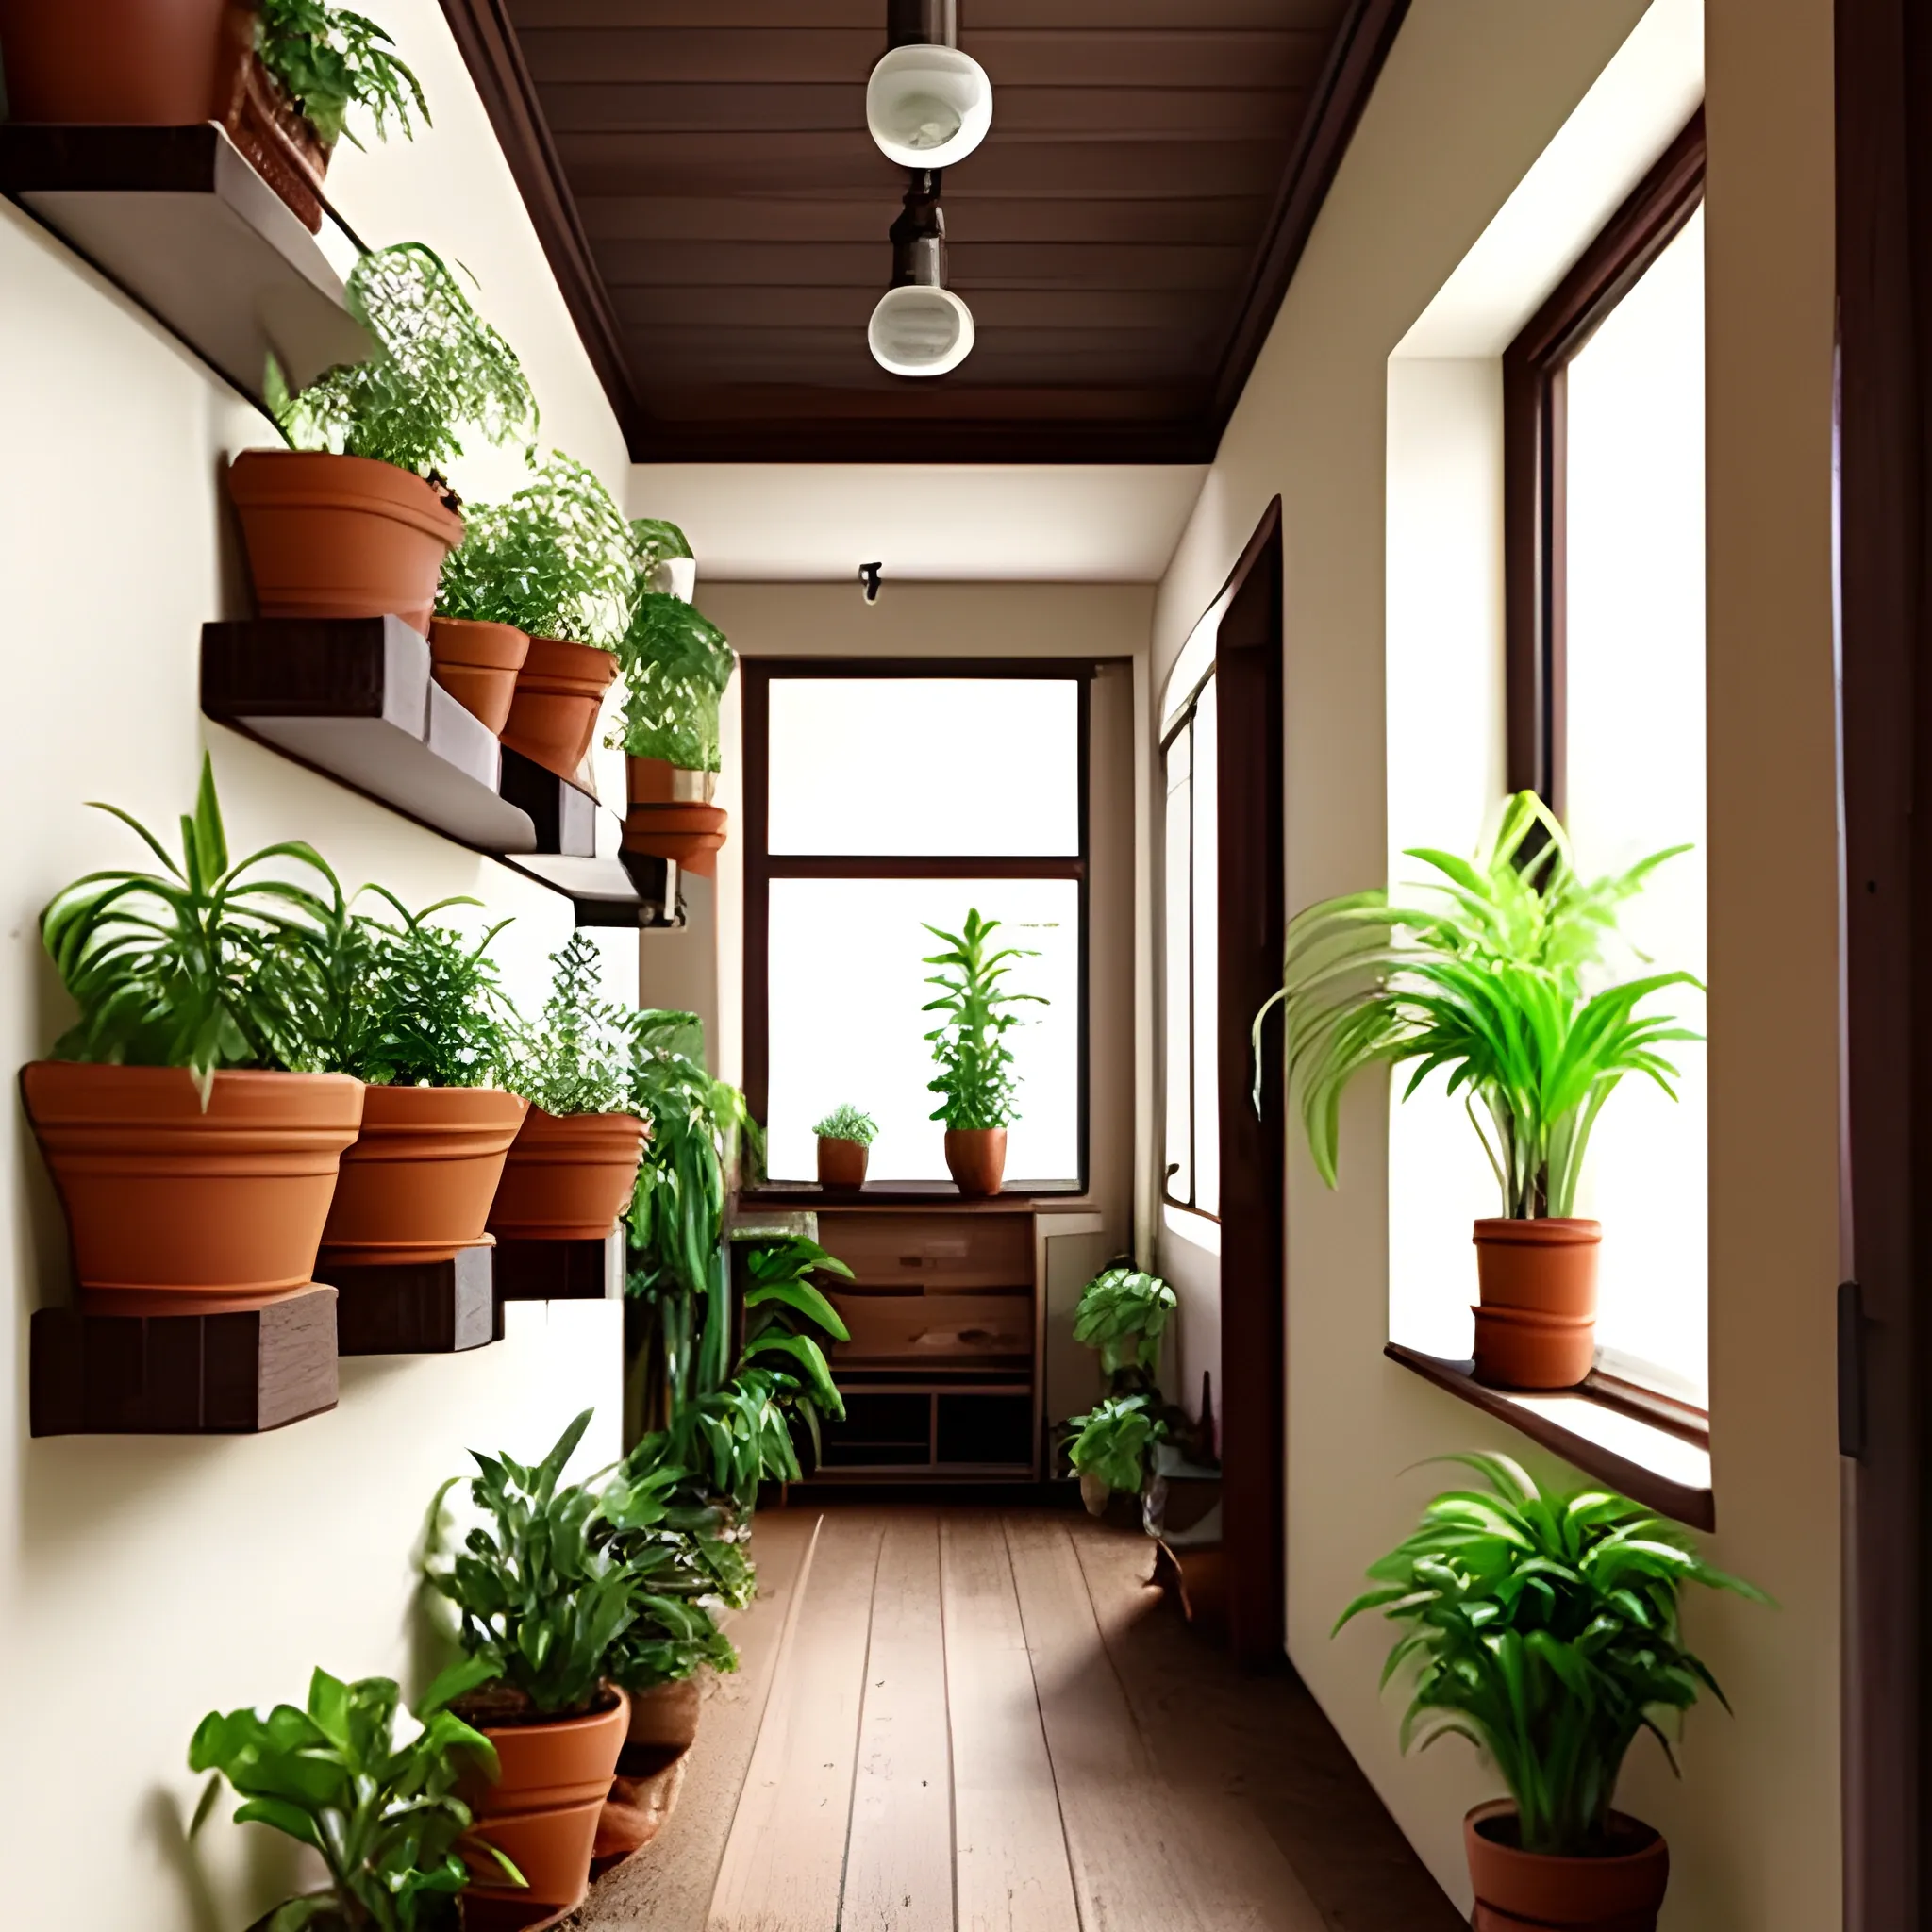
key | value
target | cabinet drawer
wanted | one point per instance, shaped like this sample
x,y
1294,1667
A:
x,y
949,1328
932,1250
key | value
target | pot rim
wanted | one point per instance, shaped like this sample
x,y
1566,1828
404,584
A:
x,y
1545,1231
1479,1815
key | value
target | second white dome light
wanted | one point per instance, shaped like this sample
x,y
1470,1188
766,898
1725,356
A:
x,y
928,106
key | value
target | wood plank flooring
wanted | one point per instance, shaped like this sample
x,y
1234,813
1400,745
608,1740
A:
x,y
954,1720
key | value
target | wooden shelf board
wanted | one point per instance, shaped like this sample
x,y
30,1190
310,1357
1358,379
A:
x,y
425,1308
894,1197
585,1271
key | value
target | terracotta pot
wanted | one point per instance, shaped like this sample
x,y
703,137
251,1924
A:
x,y
418,1183
1536,1325
665,1717
332,536
167,1204
1517,1890
691,834
657,781
568,1178
560,689
542,1813
477,664
842,1163
976,1158
637,1810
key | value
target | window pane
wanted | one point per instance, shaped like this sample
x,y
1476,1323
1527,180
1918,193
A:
x,y
1636,779
847,985
925,766
1207,957
1176,965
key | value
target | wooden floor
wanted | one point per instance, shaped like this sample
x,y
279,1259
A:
x,y
988,1720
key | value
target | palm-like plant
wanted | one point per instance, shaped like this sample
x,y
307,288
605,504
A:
x,y
976,1082
1546,1633
1490,984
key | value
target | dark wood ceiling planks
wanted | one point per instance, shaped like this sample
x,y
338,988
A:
x,y
701,177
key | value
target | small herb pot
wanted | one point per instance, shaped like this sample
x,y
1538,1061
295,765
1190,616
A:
x,y
568,1178
842,1163
657,781
977,1159
553,718
1536,1323
1620,1891
693,834
477,664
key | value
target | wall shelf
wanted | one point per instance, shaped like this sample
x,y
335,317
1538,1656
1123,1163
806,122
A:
x,y
425,1308
592,1271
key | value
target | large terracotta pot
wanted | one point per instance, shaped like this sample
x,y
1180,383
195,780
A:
x,y
637,1810
842,1163
418,1183
331,536
568,1178
657,781
1530,1892
976,1158
1536,1324
691,834
171,1209
477,664
560,689
665,1717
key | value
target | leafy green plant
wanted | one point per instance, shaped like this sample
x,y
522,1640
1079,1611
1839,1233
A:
x,y
655,541
384,1817
1115,1437
975,1083
1544,1630
205,964
781,1304
438,373
677,666
553,559
1489,982
576,1059
1122,1313
847,1122
331,61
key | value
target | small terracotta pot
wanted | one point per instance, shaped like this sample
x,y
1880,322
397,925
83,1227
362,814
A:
x,y
691,834
418,1183
1518,1890
568,1178
331,536
553,718
169,1209
976,1158
637,1810
477,664
665,1717
1536,1324
842,1163
657,781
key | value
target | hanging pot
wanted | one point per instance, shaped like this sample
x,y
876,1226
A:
x,y
842,1163
1534,1891
568,1178
691,834
657,781
976,1158
553,718
1536,1324
477,664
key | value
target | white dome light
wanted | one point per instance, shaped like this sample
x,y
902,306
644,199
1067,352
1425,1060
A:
x,y
929,107
919,329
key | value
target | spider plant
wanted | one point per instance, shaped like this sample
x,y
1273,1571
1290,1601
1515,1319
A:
x,y
332,61
1544,1630
975,1081
1489,982
1122,1313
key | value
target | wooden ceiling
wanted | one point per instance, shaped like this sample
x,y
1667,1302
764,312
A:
x,y
702,178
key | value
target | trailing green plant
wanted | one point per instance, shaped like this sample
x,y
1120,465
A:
x,y
652,1497
1123,1312
553,559
576,1059
847,1122
437,374
208,964
1488,983
384,1817
975,1083
677,667
655,541
732,1436
1115,1440
1543,1629
332,61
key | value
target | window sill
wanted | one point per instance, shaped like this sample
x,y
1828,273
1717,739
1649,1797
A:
x,y
1665,1465
1015,1199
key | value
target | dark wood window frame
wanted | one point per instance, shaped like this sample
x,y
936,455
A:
x,y
1191,1204
762,865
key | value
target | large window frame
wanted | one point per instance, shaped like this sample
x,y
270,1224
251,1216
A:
x,y
762,865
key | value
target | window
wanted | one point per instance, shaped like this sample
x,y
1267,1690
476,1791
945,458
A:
x,y
1189,953
882,798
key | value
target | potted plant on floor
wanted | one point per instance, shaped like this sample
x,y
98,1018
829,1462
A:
x,y
1122,1313
552,564
384,1817
354,519
976,1084
1110,1445
574,1163
193,1166
1491,983
845,1136
1544,1628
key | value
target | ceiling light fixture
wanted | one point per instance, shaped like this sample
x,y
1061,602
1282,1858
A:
x,y
928,104
919,327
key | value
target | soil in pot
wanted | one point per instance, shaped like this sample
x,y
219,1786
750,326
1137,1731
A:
x,y
1620,1891
842,1163
1536,1324
419,1181
477,664
553,718
637,1810
331,536
657,781
976,1158
169,1203
568,1178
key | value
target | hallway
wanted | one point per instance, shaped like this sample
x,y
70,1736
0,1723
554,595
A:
x,y
953,1718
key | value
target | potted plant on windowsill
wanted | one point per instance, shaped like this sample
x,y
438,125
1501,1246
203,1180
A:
x,y
975,1081
846,1136
1491,984
195,1169
1545,1629
353,518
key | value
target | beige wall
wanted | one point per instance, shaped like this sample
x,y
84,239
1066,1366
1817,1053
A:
x,y
1473,93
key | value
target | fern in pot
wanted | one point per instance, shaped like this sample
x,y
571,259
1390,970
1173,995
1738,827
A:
x,y
1491,981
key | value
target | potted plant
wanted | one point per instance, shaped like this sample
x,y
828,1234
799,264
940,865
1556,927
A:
x,y
385,1818
193,1166
541,1603
1491,983
353,518
574,1163
552,562
1122,1313
976,1082
1544,1628
1110,1444
417,1013
664,557
846,1136
280,76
